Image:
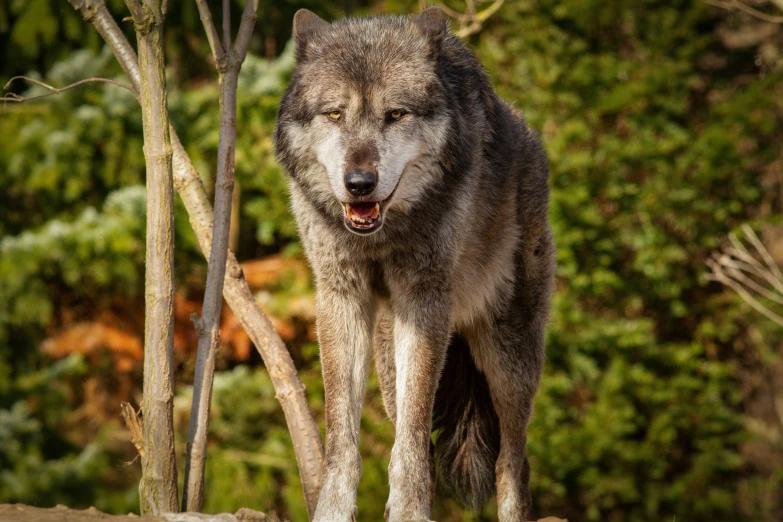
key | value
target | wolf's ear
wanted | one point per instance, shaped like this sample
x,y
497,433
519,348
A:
x,y
306,24
433,24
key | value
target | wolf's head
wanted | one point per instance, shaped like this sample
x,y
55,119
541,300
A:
x,y
365,119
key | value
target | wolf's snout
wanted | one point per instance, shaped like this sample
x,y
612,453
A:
x,y
361,182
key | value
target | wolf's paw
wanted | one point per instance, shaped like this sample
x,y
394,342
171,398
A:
x,y
386,516
336,515
395,516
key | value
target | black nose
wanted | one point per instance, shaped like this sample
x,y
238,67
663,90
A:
x,y
361,182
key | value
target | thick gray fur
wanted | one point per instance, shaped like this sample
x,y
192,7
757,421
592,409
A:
x,y
450,287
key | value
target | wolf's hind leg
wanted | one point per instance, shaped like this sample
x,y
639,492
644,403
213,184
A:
x,y
511,361
508,349
383,357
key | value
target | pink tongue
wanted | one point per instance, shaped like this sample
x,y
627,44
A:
x,y
363,210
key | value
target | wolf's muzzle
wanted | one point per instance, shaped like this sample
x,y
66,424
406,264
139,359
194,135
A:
x,y
361,182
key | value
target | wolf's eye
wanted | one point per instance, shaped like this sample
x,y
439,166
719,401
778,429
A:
x,y
396,114
334,115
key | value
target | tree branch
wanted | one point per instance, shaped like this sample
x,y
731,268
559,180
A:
x,y
137,10
131,419
756,242
212,35
732,5
158,486
753,285
728,261
719,275
731,269
290,392
242,43
749,263
12,97
227,24
471,21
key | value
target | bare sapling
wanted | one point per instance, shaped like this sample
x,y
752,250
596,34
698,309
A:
x,y
228,61
158,487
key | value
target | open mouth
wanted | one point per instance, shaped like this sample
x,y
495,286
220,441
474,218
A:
x,y
363,217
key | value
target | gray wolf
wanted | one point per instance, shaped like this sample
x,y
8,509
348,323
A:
x,y
421,199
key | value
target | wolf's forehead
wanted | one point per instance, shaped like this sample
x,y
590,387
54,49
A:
x,y
357,88
375,50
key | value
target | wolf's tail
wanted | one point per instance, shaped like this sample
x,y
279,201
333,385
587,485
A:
x,y
467,441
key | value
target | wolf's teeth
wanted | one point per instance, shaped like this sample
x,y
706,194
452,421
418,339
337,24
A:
x,y
358,220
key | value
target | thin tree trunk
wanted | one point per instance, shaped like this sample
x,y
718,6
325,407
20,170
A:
x,y
158,487
289,389
228,61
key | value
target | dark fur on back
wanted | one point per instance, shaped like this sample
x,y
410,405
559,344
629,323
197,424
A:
x,y
468,435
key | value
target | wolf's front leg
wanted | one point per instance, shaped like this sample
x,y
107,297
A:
x,y
345,320
421,332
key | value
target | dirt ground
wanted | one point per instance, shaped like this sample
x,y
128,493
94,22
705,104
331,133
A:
x,y
22,513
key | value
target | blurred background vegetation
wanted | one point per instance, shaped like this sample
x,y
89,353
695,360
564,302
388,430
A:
x,y
663,393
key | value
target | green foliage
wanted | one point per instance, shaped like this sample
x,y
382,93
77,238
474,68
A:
x,y
89,255
36,461
661,140
60,169
629,425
